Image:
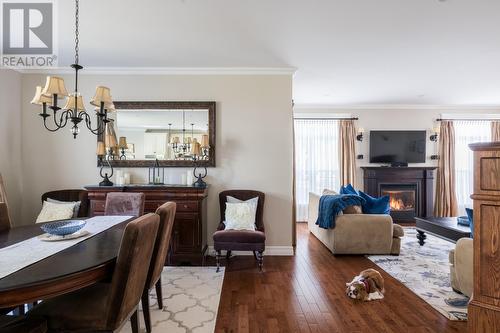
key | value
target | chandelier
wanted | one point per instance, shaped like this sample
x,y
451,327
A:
x,y
189,148
74,108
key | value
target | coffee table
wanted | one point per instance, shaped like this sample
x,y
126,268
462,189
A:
x,y
443,227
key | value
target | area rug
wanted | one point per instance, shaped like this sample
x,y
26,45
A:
x,y
190,301
425,270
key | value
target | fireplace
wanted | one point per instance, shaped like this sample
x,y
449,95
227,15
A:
x,y
402,200
410,190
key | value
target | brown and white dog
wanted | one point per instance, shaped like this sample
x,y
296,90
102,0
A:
x,y
367,286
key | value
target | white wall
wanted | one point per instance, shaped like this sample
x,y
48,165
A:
x,y
10,139
254,135
393,118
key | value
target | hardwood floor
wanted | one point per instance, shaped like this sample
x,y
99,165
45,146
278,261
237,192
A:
x,y
306,293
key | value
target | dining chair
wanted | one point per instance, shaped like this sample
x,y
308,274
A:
x,y
119,203
162,244
18,324
106,307
241,240
5,222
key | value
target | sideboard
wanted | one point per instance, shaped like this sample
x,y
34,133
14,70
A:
x,y
484,306
189,240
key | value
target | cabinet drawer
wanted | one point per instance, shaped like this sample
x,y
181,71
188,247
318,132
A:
x,y
187,206
97,206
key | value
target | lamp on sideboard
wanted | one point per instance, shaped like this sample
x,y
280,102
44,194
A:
x,y
101,154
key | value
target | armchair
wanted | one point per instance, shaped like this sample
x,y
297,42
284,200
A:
x,y
241,240
461,269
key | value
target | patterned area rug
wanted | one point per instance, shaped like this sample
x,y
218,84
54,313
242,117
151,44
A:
x,y
425,270
190,301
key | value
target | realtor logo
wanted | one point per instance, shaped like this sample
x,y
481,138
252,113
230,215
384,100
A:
x,y
28,34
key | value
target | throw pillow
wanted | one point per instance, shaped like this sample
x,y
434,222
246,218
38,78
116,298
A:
x,y
329,192
240,216
375,205
470,215
253,202
77,205
52,212
348,189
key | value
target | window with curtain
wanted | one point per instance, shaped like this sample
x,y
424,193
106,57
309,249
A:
x,y
467,132
316,160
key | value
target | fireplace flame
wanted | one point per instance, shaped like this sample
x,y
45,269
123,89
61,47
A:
x,y
396,204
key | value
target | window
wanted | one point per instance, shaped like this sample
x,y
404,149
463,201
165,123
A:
x,y
316,160
467,132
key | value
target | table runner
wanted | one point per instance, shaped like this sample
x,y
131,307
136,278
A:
x,y
17,256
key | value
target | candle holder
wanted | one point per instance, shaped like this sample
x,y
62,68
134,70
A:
x,y
199,178
156,174
106,181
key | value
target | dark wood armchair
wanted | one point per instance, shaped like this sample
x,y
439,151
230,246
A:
x,y
71,195
241,240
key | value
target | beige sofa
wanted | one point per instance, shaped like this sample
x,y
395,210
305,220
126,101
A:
x,y
461,269
356,233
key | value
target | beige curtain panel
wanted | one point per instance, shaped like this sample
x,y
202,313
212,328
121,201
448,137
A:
x,y
446,199
347,152
495,131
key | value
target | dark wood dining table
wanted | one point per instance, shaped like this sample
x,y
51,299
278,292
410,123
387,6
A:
x,y
85,263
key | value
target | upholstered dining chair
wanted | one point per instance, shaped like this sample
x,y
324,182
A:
x,y
160,251
17,324
106,307
71,196
5,222
241,240
119,203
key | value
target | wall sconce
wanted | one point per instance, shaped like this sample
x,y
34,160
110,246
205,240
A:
x,y
360,156
435,134
359,137
434,157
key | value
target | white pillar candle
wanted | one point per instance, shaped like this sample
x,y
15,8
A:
x,y
126,178
183,179
189,177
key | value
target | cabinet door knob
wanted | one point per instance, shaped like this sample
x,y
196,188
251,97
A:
x,y
185,206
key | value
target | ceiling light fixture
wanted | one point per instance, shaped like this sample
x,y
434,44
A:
x,y
74,109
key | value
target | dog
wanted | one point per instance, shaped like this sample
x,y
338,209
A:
x,y
367,286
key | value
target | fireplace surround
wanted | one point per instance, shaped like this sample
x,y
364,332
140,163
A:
x,y
411,190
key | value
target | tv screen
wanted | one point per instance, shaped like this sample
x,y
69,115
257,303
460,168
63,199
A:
x,y
397,146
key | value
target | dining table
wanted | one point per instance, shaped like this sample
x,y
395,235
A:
x,y
90,261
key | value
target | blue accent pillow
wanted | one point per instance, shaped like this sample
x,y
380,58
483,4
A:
x,y
470,215
375,205
348,189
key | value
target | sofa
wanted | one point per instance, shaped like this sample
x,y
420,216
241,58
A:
x,y
461,268
357,233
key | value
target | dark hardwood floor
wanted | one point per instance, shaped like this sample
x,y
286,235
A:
x,y
306,293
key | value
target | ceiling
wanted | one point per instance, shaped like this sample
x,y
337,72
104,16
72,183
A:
x,y
346,52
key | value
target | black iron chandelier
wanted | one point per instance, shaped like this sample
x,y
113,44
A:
x,y
74,109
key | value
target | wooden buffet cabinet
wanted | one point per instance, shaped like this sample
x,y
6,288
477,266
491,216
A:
x,y
189,236
484,307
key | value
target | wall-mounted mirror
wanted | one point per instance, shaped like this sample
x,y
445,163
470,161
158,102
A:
x,y
176,134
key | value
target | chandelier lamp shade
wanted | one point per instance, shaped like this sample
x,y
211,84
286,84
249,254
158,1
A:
x,y
73,111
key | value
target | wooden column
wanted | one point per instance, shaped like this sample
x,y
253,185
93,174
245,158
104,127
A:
x,y
484,308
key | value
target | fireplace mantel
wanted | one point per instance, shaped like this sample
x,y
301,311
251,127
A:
x,y
421,179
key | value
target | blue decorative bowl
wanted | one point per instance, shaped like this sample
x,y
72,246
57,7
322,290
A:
x,y
63,228
463,220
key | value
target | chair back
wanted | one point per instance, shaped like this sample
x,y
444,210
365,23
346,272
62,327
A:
x,y
244,195
71,195
131,269
119,203
162,243
5,222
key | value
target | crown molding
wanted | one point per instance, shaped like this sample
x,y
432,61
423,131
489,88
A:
x,y
443,107
163,70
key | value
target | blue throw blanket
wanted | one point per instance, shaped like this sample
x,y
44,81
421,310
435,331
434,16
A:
x,y
331,205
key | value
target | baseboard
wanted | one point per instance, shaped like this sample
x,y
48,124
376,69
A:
x,y
270,251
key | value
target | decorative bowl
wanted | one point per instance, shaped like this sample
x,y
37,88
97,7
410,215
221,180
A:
x,y
463,220
63,228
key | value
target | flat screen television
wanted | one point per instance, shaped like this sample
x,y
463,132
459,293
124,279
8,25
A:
x,y
397,146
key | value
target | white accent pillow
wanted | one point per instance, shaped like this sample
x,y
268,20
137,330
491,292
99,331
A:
x,y
55,211
76,210
254,202
240,216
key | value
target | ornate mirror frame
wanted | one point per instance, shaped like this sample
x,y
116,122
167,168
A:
x,y
210,106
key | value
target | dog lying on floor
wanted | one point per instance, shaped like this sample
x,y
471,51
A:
x,y
367,286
